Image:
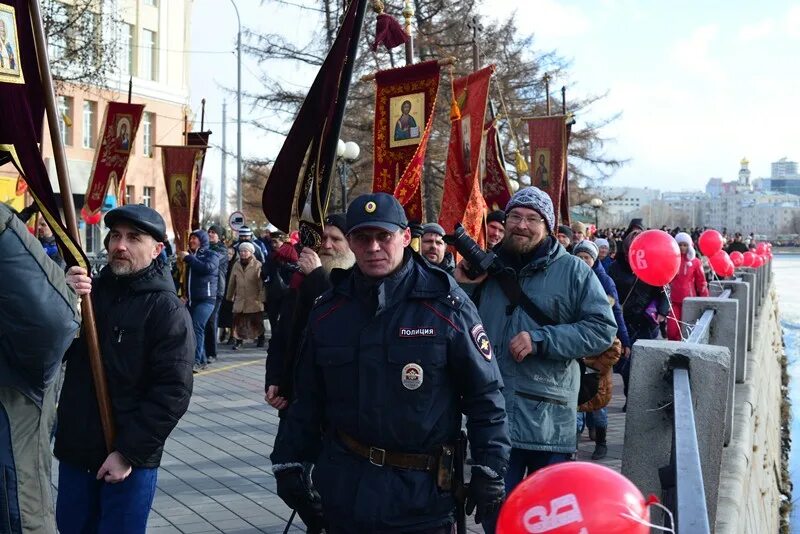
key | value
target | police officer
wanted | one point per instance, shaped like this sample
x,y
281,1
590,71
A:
x,y
393,355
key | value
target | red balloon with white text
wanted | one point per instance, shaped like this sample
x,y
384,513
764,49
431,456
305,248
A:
x,y
655,257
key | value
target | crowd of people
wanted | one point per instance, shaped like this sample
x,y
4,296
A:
x,y
378,344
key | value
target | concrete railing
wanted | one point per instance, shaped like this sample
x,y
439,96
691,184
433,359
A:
x,y
731,365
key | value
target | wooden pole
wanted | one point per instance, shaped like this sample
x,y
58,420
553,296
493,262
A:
x,y
408,13
563,100
87,310
547,91
202,113
130,89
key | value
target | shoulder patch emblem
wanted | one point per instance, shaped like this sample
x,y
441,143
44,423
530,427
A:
x,y
412,376
481,341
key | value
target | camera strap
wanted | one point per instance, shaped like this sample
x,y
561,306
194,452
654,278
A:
x,y
510,285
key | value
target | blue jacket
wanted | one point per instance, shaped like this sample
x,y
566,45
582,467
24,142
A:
x,y
394,366
203,266
541,391
611,290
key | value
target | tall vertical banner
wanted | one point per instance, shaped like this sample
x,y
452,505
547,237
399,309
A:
x,y
496,191
120,124
22,115
200,140
548,145
405,102
462,200
180,174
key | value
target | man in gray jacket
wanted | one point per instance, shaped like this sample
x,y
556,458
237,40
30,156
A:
x,y
38,320
537,357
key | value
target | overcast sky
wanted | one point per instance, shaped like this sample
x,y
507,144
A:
x,y
699,84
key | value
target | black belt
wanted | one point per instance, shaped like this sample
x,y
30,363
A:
x,y
382,457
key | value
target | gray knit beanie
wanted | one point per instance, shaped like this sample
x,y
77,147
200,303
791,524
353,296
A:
x,y
588,247
537,200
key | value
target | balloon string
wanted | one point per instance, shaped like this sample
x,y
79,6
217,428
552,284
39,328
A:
x,y
633,517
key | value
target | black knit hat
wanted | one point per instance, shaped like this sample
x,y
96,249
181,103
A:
x,y
564,229
339,220
496,216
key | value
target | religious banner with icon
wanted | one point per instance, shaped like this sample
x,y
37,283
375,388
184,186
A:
x,y
496,191
181,164
200,140
462,200
405,102
548,166
120,123
22,117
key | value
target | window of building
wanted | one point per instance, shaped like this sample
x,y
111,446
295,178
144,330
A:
x,y
130,194
89,123
126,50
94,243
57,41
148,133
65,108
148,194
148,61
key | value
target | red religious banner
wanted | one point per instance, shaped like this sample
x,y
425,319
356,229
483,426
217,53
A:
x,y
120,123
548,145
404,109
462,200
180,173
200,140
496,191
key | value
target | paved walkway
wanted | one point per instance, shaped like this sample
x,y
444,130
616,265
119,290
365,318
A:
x,y
215,475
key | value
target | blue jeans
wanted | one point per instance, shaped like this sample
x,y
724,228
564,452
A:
x,y
87,505
200,312
211,330
596,419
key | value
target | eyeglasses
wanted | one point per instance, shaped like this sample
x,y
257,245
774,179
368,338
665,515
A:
x,y
365,239
513,219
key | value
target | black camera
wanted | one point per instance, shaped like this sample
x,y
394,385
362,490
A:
x,y
480,261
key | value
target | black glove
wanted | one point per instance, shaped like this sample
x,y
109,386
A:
x,y
294,487
485,493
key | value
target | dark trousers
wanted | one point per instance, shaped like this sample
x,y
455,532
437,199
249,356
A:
x,y
85,504
211,331
643,329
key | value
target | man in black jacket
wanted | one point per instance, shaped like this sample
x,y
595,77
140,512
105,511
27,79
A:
x,y
147,347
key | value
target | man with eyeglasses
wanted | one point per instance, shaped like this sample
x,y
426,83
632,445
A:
x,y
539,361
393,355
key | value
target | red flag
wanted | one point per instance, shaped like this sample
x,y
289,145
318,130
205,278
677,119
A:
x,y
462,200
120,124
200,140
548,144
180,173
405,102
496,191
306,159
21,118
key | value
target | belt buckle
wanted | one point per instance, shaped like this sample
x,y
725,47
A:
x,y
372,452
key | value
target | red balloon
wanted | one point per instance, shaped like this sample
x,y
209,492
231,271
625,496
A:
x,y
737,258
761,248
758,261
721,263
749,259
91,218
710,242
575,497
654,257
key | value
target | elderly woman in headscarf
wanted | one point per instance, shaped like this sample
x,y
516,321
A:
x,y
603,256
689,282
246,291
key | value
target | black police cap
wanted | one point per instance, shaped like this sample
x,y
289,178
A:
x,y
376,210
140,217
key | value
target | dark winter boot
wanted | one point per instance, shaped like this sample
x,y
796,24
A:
x,y
260,341
600,449
592,434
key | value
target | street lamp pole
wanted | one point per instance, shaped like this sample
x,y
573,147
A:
x,y
238,110
596,203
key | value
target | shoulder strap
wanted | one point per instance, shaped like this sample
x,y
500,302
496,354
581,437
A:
x,y
510,286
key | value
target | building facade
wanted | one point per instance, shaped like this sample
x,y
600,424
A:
x,y
153,40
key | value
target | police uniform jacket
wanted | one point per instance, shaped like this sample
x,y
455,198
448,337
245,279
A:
x,y
541,391
147,344
393,366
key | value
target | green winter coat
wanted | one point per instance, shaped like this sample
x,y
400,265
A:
x,y
541,392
